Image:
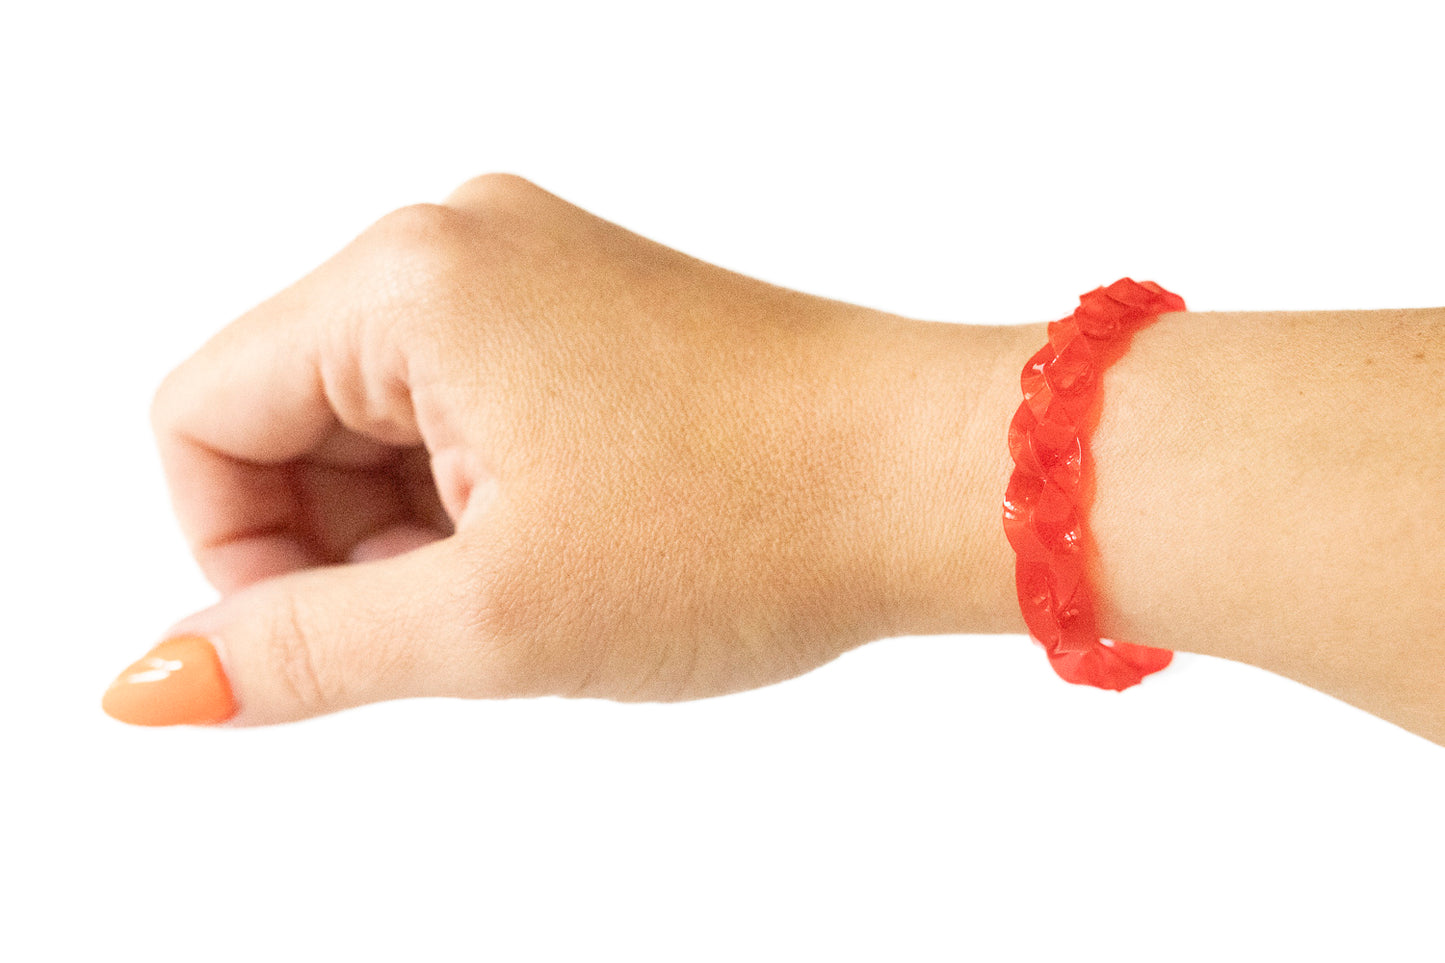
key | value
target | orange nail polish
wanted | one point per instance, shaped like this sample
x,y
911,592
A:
x,y
179,682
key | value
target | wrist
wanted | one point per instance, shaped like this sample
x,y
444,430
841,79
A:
x,y
949,390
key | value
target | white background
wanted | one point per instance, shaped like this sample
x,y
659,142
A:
x,y
167,166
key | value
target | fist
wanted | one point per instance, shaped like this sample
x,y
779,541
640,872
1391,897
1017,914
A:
x,y
500,447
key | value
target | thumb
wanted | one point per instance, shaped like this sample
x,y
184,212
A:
x,y
310,642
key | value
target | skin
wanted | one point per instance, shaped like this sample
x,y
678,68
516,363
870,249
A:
x,y
500,447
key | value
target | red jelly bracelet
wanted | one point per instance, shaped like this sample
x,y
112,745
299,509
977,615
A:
x,y
1048,495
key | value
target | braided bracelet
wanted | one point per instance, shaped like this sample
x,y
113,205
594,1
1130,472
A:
x,y
1049,492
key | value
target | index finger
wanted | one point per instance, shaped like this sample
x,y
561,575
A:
x,y
302,376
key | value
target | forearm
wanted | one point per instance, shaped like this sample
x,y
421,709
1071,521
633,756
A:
x,y
1270,489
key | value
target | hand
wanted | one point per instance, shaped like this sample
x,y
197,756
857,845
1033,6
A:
x,y
500,447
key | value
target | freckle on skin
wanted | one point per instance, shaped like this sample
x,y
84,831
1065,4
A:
x,y
1419,356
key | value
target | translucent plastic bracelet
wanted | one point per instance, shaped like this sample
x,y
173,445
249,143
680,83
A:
x,y
1047,502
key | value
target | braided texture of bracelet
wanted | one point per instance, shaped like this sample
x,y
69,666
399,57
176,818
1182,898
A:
x,y
1051,489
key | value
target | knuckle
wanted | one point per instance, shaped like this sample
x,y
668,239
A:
x,y
427,252
417,224
415,259
162,408
173,402
423,240
495,192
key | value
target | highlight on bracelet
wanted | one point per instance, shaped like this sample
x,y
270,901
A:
x,y
1046,505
